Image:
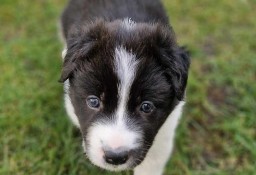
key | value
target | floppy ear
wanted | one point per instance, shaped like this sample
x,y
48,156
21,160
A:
x,y
180,71
77,49
80,44
175,61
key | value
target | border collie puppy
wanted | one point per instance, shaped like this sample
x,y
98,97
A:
x,y
125,78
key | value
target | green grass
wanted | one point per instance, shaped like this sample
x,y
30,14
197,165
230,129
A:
x,y
217,134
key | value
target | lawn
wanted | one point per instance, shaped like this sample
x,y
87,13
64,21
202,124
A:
x,y
217,134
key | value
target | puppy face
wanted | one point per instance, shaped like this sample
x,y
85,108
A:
x,y
124,80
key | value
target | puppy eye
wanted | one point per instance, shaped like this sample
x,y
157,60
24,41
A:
x,y
93,101
147,107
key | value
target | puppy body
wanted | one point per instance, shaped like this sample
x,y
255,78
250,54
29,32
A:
x,y
125,79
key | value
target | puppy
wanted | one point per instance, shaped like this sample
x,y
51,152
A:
x,y
125,78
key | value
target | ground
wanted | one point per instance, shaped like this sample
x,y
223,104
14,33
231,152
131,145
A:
x,y
217,134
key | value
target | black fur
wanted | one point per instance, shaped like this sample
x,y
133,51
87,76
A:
x,y
93,29
79,12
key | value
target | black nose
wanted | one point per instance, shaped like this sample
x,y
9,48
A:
x,y
116,157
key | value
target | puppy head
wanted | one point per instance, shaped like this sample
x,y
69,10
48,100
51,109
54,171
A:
x,y
124,80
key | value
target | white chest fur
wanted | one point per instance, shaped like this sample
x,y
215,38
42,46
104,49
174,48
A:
x,y
161,149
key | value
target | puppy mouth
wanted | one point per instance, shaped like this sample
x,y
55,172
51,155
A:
x,y
114,163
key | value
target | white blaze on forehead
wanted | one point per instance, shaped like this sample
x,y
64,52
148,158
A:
x,y
128,24
116,133
126,67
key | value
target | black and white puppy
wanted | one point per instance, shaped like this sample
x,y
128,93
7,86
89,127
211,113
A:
x,y
125,79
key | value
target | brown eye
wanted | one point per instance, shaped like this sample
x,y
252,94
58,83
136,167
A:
x,y
93,101
147,107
